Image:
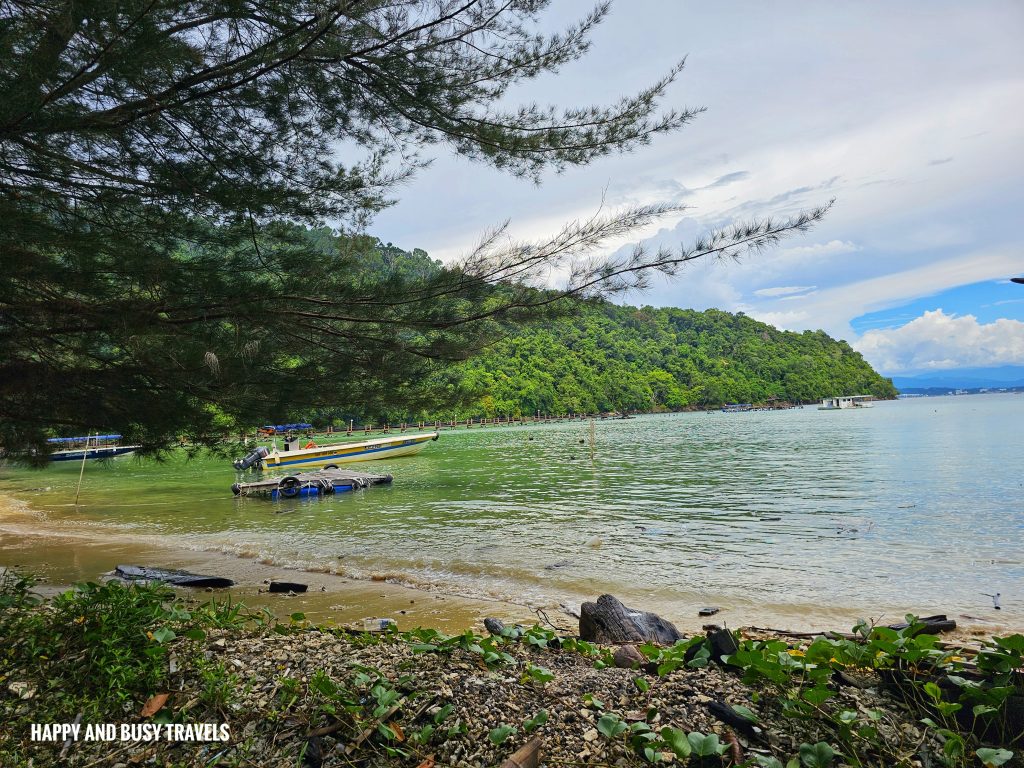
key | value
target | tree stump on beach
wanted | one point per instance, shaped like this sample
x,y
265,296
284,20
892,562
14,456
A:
x,y
610,622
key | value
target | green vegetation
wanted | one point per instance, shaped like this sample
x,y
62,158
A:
x,y
103,651
156,157
614,358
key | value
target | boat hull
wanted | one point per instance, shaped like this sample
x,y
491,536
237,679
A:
x,y
111,452
347,453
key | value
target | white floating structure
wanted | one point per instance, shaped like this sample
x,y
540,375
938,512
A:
x,y
842,403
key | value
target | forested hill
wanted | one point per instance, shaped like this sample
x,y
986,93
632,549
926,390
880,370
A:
x,y
617,358
606,357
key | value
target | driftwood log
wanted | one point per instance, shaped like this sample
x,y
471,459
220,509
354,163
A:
x,y
527,756
609,622
931,625
177,578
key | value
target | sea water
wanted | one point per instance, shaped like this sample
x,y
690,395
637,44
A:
x,y
912,505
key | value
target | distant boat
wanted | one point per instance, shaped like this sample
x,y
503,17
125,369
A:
x,y
737,407
842,403
340,453
91,447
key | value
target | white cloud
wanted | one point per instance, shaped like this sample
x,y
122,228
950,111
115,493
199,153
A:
x,y
831,248
784,290
832,308
937,341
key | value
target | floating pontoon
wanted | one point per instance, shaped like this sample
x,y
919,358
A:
x,y
322,483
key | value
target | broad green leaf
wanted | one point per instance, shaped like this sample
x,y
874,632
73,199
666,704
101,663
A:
x,y
611,726
164,635
499,734
705,746
993,758
816,755
536,721
744,712
677,742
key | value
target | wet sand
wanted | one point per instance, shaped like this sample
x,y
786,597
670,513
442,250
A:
x,y
63,555
63,552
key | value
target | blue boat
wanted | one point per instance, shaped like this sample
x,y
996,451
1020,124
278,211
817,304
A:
x,y
90,447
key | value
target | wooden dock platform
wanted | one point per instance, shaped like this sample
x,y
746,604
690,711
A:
x,y
324,482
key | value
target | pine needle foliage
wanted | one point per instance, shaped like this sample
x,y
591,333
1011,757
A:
x,y
157,157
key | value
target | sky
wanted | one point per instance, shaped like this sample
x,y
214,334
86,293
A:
x,y
910,115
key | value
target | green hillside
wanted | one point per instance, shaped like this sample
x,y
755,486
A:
x,y
616,358
605,357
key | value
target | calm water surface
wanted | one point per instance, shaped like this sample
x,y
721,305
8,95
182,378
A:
x,y
916,505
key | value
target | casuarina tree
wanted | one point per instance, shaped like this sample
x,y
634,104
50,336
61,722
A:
x,y
158,160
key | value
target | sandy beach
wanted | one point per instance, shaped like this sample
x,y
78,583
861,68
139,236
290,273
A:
x,y
62,552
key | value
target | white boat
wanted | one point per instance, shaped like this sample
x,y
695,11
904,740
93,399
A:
x,y
843,403
340,453
90,447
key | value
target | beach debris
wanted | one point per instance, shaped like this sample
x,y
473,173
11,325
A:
x,y
930,624
378,625
594,542
22,689
154,704
770,519
737,719
287,586
313,752
559,564
69,740
708,610
610,622
174,577
527,756
570,610
995,600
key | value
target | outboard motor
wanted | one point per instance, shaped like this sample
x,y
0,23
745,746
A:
x,y
253,458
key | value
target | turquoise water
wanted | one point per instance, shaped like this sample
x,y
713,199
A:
x,y
911,505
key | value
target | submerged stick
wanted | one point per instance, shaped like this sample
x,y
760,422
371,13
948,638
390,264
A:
x,y
85,455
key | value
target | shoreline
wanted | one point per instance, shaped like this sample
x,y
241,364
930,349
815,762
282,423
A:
x,y
50,552
61,555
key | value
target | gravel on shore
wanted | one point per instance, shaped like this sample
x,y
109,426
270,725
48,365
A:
x,y
269,688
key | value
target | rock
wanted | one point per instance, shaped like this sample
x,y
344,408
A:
x,y
287,586
628,657
723,643
22,690
494,626
591,735
609,622
708,611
